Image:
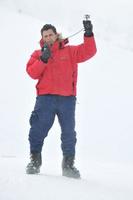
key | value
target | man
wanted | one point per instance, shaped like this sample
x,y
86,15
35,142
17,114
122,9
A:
x,y
55,68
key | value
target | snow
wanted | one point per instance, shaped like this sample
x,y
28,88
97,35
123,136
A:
x,y
101,181
104,112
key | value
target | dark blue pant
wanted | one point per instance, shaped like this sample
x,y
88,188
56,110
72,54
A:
x,y
42,119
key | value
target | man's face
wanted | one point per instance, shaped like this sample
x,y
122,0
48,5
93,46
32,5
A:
x,y
49,36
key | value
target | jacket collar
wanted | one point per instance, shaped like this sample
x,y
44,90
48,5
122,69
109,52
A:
x,y
59,44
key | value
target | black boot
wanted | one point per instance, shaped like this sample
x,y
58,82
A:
x,y
34,166
68,168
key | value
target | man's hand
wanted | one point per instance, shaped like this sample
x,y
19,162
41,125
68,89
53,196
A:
x,y
46,53
88,27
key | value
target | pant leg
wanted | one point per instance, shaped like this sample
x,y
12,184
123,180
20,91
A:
x,y
41,121
66,117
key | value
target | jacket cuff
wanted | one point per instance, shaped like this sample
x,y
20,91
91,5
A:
x,y
86,35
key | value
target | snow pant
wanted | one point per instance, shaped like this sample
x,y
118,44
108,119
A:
x,y
42,119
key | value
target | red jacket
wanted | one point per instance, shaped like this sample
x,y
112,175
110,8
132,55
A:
x,y
59,75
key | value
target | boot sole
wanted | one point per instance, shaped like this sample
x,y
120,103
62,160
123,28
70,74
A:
x,y
33,171
71,176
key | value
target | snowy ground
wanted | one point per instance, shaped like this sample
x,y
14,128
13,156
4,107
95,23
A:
x,y
104,115
99,181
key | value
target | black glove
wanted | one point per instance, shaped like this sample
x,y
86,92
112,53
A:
x,y
88,27
46,53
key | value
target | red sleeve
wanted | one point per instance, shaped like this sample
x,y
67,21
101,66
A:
x,y
35,66
85,51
